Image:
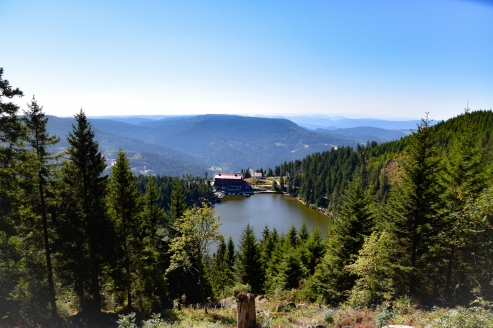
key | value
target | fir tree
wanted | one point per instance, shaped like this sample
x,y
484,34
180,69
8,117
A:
x,y
154,257
84,228
39,141
346,235
11,143
249,264
412,211
219,271
178,204
230,258
124,207
463,179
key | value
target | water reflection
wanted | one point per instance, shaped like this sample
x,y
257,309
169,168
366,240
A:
x,y
276,211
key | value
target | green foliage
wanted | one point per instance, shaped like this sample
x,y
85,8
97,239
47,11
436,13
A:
x,y
377,271
42,168
178,203
250,270
196,230
412,212
220,271
127,321
124,207
474,317
383,316
345,238
68,236
84,230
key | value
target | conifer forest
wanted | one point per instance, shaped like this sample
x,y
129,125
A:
x,y
410,218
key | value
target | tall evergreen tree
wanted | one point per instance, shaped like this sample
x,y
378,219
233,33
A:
x,y
218,270
463,180
312,250
184,280
178,204
346,235
230,257
124,207
11,133
11,139
250,269
84,227
42,162
154,257
412,213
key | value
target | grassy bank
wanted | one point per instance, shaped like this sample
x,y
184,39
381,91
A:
x,y
279,314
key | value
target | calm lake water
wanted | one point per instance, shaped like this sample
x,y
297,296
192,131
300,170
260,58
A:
x,y
274,210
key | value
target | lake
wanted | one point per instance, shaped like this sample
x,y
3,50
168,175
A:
x,y
274,210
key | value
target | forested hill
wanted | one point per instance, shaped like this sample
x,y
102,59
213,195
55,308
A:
x,y
411,218
231,142
193,145
319,178
156,157
180,145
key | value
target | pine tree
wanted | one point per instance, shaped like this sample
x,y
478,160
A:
x,y
84,229
230,258
312,250
463,179
218,270
39,141
303,234
292,237
250,269
178,204
154,258
291,270
411,214
346,235
124,207
11,143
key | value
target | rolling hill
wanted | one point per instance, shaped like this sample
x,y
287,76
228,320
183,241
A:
x,y
178,145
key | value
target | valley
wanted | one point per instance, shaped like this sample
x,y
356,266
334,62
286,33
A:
x,y
181,145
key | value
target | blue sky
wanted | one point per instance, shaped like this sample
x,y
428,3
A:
x,y
382,59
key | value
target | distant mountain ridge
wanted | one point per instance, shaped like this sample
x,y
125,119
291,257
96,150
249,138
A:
x,y
366,133
140,153
231,142
177,145
324,122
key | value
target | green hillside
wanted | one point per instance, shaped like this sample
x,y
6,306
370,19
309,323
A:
x,y
156,157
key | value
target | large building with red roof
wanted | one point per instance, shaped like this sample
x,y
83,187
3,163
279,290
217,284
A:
x,y
231,182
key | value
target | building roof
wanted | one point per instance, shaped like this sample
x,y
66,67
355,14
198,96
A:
x,y
232,176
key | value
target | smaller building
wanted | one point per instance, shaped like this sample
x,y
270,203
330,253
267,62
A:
x,y
257,175
230,182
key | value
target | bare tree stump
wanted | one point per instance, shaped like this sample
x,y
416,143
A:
x,y
246,310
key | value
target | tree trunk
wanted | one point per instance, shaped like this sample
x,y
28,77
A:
x,y
246,310
201,286
449,271
49,267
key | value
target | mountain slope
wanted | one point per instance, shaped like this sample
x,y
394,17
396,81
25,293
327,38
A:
x,y
366,133
234,142
158,158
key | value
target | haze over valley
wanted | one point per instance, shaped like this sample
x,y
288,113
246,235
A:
x,y
179,145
